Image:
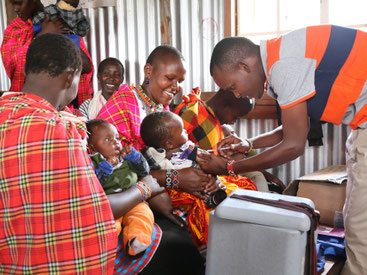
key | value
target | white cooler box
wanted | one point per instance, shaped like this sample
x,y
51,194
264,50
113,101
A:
x,y
256,239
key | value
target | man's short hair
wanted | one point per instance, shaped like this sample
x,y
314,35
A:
x,y
52,53
161,52
109,60
155,130
230,51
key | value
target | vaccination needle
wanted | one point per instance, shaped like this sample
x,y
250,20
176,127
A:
x,y
221,149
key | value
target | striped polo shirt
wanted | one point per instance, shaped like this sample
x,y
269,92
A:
x,y
324,65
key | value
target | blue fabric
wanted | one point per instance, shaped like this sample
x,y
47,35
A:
x,y
133,156
193,154
139,162
320,257
329,247
333,246
338,49
103,170
36,29
127,265
75,38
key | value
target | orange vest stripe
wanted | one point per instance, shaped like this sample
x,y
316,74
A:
x,y
273,47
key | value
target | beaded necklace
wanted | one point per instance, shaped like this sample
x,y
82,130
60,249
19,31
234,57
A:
x,y
149,104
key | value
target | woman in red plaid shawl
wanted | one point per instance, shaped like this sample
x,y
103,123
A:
x,y
19,34
54,215
127,107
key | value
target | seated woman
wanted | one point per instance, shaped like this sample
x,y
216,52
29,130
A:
x,y
164,70
19,34
110,75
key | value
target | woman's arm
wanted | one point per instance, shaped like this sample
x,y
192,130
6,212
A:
x,y
191,180
122,202
87,65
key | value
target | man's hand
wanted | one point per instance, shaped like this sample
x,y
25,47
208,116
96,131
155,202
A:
x,y
212,164
236,144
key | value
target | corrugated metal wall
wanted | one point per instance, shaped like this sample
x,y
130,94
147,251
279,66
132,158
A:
x,y
131,30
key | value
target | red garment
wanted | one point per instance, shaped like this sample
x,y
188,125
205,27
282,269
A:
x,y
122,110
54,215
17,37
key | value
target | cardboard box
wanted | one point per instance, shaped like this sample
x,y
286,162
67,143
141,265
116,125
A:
x,y
326,188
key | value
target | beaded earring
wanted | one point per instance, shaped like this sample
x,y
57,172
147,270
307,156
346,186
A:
x,y
147,81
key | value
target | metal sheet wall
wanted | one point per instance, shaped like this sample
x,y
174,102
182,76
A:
x,y
197,25
314,158
128,32
131,30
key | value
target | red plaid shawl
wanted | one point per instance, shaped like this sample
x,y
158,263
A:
x,y
122,110
17,37
54,215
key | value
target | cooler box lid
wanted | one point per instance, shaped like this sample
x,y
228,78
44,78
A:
x,y
255,213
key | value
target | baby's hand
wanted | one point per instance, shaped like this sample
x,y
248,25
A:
x,y
203,156
210,163
126,150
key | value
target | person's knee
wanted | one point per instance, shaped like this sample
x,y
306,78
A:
x,y
259,179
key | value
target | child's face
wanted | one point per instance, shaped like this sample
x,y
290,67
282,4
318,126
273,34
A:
x,y
105,140
178,133
164,80
111,78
